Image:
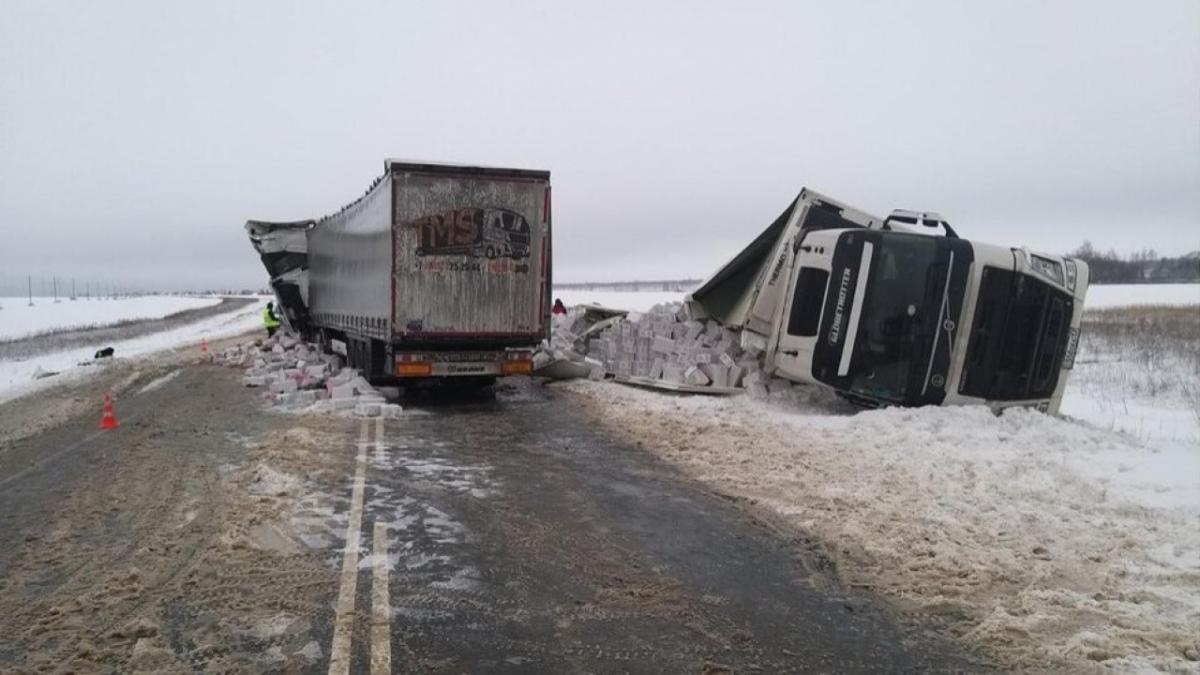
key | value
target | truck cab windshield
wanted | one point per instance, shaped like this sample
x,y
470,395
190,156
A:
x,y
899,317
895,347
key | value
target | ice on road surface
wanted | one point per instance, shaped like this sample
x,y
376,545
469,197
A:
x,y
18,319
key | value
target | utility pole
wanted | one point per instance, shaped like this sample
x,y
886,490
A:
x,y
72,289
29,279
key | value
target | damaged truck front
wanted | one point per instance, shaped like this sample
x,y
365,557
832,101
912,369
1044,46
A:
x,y
283,249
887,314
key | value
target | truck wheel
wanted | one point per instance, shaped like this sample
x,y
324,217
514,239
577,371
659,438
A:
x,y
375,361
491,253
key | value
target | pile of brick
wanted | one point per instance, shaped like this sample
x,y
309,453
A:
x,y
299,377
665,346
568,346
662,345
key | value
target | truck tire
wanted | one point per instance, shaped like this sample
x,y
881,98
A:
x,y
375,361
354,354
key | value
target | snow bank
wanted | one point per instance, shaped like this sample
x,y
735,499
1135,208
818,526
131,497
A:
x,y
18,319
16,377
1051,543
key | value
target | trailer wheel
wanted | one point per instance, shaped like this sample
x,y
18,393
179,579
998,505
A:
x,y
490,253
354,354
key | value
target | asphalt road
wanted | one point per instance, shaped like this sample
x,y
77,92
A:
x,y
501,534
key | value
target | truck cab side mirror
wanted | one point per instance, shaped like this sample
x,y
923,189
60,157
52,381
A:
x,y
926,218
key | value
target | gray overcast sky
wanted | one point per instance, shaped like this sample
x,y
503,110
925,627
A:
x,y
136,138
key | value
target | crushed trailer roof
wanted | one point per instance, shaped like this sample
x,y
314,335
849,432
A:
x,y
450,167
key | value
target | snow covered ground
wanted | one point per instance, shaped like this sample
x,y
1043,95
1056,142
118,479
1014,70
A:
x,y
1054,543
18,319
1048,542
17,377
1138,372
1123,295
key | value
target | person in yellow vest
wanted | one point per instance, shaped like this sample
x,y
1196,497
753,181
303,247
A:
x,y
270,321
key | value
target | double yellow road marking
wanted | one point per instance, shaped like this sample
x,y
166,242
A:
x,y
340,652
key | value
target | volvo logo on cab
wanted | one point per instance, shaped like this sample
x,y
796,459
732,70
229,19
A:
x,y
835,333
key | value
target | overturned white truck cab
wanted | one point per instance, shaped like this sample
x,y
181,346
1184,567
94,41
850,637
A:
x,y
887,314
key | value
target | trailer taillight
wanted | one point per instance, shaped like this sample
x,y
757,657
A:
x,y
523,367
414,369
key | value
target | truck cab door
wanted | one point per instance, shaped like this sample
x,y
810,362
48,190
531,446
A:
x,y
795,331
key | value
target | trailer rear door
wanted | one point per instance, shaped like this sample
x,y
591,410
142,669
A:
x,y
471,254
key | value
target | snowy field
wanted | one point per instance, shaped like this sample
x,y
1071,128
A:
x,y
638,301
18,319
17,378
1099,297
1123,295
1069,543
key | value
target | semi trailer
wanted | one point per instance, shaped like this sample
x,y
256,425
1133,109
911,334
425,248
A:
x,y
885,312
437,272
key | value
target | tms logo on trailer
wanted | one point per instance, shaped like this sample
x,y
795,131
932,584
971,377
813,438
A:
x,y
477,233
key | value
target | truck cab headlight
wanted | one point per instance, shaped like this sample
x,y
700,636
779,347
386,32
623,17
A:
x,y
1051,269
1069,266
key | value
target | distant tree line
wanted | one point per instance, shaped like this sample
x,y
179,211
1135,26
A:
x,y
1140,267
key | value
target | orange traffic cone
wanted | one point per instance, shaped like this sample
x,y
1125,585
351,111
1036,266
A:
x,y
108,420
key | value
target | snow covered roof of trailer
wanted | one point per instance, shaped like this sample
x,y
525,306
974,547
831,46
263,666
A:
x,y
271,225
448,167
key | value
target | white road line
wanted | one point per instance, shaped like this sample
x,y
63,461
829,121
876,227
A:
x,y
381,610
343,627
379,446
